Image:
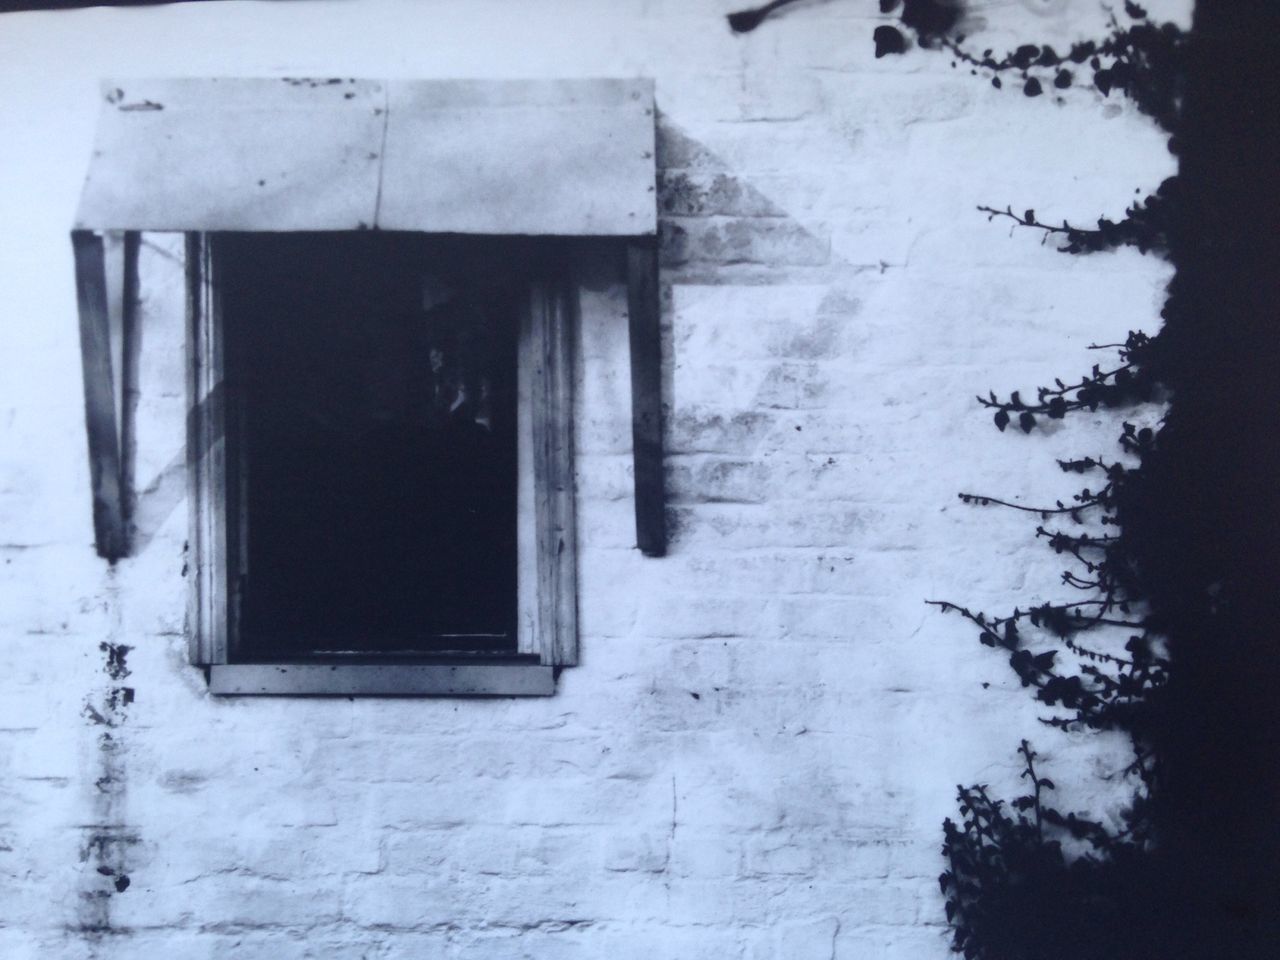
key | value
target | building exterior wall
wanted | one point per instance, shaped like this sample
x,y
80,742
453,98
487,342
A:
x,y
754,757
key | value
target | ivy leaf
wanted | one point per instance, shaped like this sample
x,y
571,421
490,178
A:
x,y
1025,55
1026,421
1057,408
1002,419
888,6
1029,216
1010,641
888,40
1033,88
1081,52
1063,79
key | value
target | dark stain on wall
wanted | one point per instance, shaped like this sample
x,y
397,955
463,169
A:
x,y
108,840
116,667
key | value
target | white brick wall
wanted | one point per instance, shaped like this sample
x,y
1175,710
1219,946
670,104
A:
x,y
755,756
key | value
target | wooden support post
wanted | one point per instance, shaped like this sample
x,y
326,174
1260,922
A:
x,y
551,323
213,555
646,396
129,371
99,394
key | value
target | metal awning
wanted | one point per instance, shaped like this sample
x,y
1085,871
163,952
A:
x,y
533,157
567,158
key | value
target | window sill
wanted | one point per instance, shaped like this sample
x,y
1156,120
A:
x,y
382,680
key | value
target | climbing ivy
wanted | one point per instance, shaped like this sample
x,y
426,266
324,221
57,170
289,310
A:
x,y
1026,880
1165,631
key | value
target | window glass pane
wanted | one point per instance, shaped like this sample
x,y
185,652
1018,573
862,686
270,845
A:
x,y
371,379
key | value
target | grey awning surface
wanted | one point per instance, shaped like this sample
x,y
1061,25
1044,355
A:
x,y
562,157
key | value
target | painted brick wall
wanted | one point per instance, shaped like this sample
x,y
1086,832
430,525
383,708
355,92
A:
x,y
754,758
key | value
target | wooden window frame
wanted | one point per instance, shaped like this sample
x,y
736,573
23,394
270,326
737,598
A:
x,y
547,636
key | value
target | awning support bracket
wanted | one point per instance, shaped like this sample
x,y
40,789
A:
x,y
102,422
644,313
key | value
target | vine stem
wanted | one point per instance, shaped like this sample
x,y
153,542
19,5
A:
x,y
1025,750
744,21
983,500
1097,379
1025,222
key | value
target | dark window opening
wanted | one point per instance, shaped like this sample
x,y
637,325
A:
x,y
371,441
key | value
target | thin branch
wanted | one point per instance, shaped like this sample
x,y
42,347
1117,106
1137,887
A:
x,y
744,21
1099,499
1066,228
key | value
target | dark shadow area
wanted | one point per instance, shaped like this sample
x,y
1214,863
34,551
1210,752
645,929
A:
x,y
1208,517
18,6
371,384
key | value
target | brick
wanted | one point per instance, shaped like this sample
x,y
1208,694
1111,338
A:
x,y
707,854
736,240
808,939
643,852
781,524
776,854
712,430
690,194
231,900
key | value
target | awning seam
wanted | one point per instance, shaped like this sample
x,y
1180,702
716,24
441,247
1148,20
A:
x,y
382,153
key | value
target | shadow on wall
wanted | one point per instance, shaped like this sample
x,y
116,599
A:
x,y
714,228
717,229
153,504
710,217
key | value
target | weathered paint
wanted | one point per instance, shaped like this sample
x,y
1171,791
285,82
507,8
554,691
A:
x,y
538,157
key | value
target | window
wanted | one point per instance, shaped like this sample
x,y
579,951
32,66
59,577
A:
x,y
378,399
380,449
371,395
